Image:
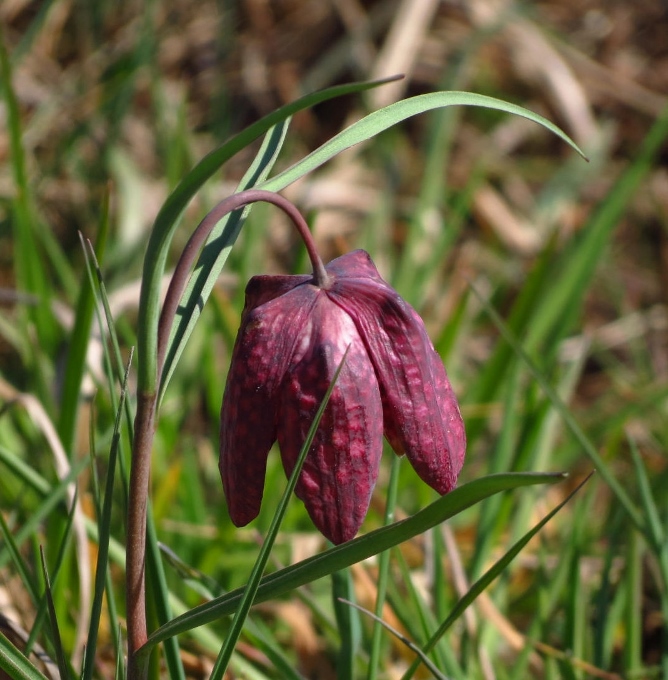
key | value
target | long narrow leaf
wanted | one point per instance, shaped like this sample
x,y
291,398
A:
x,y
104,534
568,418
14,664
385,118
361,548
483,582
78,345
51,502
55,631
215,253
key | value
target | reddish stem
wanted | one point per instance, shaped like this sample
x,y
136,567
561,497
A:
x,y
197,240
147,404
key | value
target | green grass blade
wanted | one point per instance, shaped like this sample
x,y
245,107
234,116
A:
x,y
634,596
409,643
385,118
23,471
157,582
104,532
347,623
492,573
601,466
655,529
561,301
14,664
78,345
171,211
19,563
55,632
418,618
357,550
50,503
253,583
40,617
383,572
215,253
30,275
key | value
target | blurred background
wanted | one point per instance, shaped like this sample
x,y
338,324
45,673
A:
x,y
120,98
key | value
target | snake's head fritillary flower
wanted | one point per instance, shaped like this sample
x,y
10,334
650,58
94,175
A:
x,y
294,333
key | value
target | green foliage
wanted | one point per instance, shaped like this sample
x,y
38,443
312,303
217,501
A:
x,y
203,575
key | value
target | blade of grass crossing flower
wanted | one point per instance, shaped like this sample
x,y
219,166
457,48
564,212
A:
x,y
104,533
250,590
14,664
215,253
492,573
602,468
63,666
411,645
357,550
383,572
172,209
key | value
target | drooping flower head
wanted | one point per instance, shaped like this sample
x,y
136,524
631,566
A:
x,y
293,335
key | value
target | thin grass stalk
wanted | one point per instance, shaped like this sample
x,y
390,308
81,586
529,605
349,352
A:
x,y
347,623
60,557
483,582
383,573
78,344
253,583
583,440
101,573
409,643
63,666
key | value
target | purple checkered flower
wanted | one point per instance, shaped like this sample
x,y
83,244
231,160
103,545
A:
x,y
294,333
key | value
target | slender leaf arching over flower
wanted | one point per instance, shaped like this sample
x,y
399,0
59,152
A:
x,y
294,333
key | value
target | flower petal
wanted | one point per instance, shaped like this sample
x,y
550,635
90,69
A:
x,y
276,309
341,468
420,411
